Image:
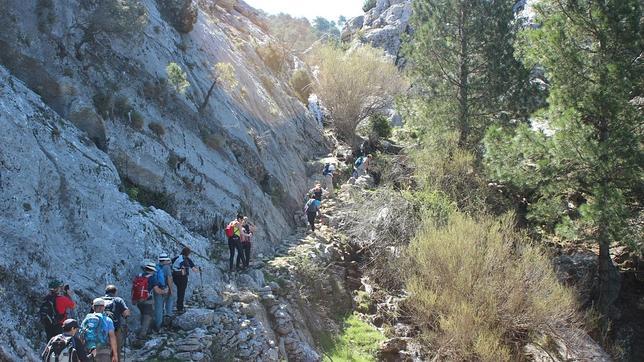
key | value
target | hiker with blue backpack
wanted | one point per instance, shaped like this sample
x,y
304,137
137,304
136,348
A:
x,y
312,209
144,286
97,331
361,165
165,310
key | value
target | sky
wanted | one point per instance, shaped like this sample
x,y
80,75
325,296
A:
x,y
329,9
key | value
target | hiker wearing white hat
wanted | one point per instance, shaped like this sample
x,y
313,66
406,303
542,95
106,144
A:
x,y
165,304
144,286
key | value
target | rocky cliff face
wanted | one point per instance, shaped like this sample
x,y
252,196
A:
x,y
383,27
104,163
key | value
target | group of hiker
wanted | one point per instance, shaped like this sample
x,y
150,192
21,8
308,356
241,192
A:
x,y
240,234
326,189
101,334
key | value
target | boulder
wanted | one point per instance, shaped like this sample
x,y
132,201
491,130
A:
x,y
182,14
86,119
194,318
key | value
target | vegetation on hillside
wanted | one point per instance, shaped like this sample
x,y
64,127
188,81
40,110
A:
x,y
355,85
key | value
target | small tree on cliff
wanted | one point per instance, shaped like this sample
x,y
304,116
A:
x,y
355,85
591,51
177,77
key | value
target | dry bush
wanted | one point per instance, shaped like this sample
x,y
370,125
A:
x,y
355,85
479,292
274,56
302,83
381,224
157,129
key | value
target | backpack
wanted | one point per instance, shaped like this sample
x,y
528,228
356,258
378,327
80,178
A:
x,y
60,349
326,170
308,205
47,311
110,311
160,276
359,162
140,290
92,333
230,230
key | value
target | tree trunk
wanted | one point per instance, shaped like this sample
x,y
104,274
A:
x,y
205,100
463,89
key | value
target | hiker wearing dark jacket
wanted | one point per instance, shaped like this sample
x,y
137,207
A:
x,y
119,310
234,243
181,267
49,317
247,232
312,209
67,346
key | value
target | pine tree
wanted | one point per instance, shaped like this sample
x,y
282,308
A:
x,y
591,154
462,56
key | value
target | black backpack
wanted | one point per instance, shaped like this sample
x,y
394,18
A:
x,y
47,311
110,311
60,349
326,169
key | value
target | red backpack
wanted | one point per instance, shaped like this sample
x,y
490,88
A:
x,y
230,230
140,290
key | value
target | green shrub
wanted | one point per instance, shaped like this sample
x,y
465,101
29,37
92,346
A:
x,y
379,125
137,120
368,5
148,197
226,75
479,291
302,84
157,129
103,103
214,141
118,17
177,78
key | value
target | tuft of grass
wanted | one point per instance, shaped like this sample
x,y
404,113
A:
x,y
358,342
157,129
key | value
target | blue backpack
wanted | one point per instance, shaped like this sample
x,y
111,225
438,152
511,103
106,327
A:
x,y
160,276
93,331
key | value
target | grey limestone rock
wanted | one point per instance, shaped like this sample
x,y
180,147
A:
x,y
194,318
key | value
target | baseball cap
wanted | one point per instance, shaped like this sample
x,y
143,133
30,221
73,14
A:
x,y
55,283
68,324
98,302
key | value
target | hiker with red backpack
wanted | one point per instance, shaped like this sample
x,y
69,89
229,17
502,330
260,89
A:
x,y
49,317
181,266
97,331
143,288
233,232
66,346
